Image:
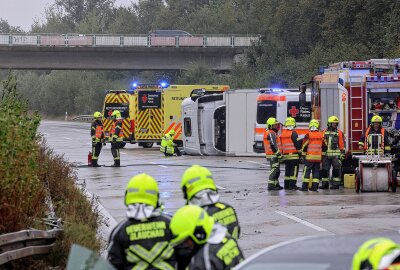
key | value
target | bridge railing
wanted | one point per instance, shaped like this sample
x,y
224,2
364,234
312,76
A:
x,y
79,40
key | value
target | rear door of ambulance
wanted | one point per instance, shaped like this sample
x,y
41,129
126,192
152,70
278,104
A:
x,y
118,100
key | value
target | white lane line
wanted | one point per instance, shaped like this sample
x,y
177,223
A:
x,y
219,187
254,162
306,223
162,166
67,138
123,153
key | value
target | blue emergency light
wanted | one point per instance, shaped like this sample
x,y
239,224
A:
x,y
164,84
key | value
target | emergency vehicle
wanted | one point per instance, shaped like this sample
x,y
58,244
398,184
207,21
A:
x,y
280,103
150,110
355,91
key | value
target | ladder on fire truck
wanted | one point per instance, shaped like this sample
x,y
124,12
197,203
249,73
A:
x,y
356,108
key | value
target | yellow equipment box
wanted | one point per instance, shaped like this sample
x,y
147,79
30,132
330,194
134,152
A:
x,y
349,180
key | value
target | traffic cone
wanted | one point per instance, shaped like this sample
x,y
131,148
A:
x,y
89,159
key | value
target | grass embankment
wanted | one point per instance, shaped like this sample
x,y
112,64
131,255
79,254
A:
x,y
30,171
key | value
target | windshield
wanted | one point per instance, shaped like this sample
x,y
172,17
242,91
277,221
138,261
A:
x,y
265,110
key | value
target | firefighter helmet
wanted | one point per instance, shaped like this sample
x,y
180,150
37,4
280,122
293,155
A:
x,y
376,119
171,132
116,114
191,221
313,123
333,119
97,115
377,253
142,188
290,121
271,121
195,179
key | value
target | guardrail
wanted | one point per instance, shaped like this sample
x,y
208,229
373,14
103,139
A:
x,y
26,243
87,118
80,40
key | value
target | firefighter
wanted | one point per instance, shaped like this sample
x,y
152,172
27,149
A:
x,y
375,140
97,133
117,137
142,241
334,154
199,189
290,146
201,243
168,147
377,253
273,153
312,152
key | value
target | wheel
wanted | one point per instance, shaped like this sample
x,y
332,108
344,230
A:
x,y
358,181
394,180
147,145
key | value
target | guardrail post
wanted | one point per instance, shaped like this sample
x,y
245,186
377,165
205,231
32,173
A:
x,y
204,41
9,40
38,40
121,41
94,41
232,41
177,41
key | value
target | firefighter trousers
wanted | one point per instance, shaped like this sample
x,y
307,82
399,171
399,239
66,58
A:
x,y
275,172
327,163
115,146
311,172
96,149
291,172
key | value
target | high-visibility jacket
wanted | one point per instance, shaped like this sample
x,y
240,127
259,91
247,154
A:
x,y
117,131
312,146
142,244
289,144
225,214
371,143
271,145
167,144
96,131
334,142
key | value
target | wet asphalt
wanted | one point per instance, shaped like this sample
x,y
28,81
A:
x,y
266,217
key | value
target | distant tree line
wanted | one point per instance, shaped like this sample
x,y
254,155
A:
x,y
297,37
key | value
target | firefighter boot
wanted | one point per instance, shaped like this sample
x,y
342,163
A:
x,y
286,185
304,186
314,186
94,163
293,185
116,163
324,185
334,185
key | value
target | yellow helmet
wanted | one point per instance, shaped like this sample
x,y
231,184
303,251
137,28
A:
x,y
290,121
142,188
172,132
371,253
97,115
313,123
271,121
191,221
116,113
333,119
195,179
376,119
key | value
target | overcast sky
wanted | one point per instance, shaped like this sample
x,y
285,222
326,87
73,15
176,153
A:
x,y
22,12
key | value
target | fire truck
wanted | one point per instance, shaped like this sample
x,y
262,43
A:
x,y
280,103
150,110
355,91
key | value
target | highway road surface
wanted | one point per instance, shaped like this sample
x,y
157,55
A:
x,y
266,217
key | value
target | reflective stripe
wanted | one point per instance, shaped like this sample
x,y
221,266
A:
x,y
150,191
206,256
132,190
112,132
368,139
191,181
144,258
287,144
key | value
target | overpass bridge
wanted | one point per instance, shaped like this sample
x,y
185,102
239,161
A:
x,y
121,52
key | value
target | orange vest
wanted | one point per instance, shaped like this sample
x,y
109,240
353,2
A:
x,y
121,133
99,132
287,145
267,143
314,148
366,138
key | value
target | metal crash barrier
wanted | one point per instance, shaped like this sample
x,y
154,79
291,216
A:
x,y
26,243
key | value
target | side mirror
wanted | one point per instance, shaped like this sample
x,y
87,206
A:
x,y
302,99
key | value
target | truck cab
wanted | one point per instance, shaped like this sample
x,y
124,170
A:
x,y
280,103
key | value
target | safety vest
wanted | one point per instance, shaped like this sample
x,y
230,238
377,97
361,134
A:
x,y
267,143
368,141
99,132
121,133
314,148
287,144
334,142
167,144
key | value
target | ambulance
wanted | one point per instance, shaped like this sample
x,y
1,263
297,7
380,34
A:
x,y
150,110
280,103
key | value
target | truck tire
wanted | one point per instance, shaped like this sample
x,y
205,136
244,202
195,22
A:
x,y
147,145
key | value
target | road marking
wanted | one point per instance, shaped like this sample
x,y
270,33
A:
x,y
306,223
123,153
219,187
162,166
67,138
254,162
